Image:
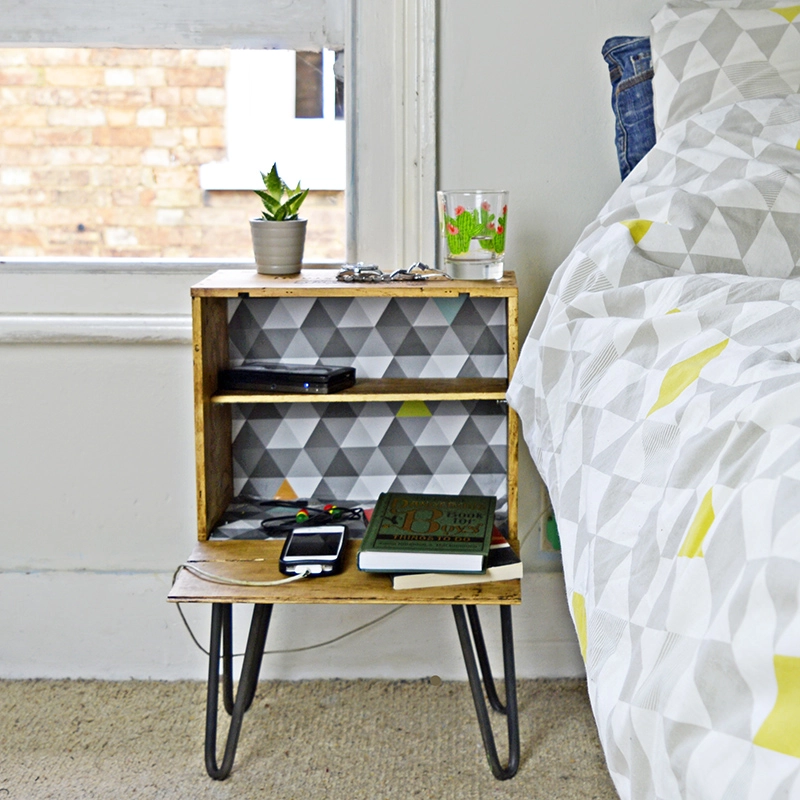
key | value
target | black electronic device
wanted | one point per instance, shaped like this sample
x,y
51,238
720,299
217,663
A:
x,y
266,376
316,550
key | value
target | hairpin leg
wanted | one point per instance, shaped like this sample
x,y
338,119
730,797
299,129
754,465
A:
x,y
483,660
227,657
221,630
510,708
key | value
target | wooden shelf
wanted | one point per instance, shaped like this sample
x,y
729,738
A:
x,y
384,389
258,561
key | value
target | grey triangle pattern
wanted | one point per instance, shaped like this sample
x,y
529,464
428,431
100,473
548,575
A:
x,y
337,308
272,314
381,337
360,457
707,58
492,312
246,334
318,320
331,451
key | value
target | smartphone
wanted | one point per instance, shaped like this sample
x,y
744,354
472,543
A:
x,y
319,550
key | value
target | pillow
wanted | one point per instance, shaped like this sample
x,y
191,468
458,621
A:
x,y
631,73
706,57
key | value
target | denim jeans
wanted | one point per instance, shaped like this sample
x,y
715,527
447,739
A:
x,y
631,71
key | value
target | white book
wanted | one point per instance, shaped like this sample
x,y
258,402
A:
x,y
503,565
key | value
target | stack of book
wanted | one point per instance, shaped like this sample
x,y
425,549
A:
x,y
436,540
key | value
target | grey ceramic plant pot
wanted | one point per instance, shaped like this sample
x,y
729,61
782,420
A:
x,y
278,246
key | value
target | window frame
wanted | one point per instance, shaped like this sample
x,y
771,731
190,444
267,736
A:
x,y
391,114
391,118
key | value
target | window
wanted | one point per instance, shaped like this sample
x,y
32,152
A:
x,y
389,74
111,152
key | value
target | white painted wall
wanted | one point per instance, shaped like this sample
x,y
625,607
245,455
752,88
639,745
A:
x,y
524,105
97,485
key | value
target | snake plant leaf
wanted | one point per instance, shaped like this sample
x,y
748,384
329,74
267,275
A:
x,y
295,201
273,184
279,200
270,203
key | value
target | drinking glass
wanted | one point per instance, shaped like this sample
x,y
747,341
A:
x,y
472,233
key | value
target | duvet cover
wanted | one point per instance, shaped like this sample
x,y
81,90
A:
x,y
659,394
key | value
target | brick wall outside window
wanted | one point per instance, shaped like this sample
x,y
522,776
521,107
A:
x,y
100,152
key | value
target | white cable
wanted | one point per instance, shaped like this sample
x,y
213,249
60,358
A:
x,y
234,582
336,638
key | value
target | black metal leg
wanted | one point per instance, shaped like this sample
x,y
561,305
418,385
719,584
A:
x,y
483,660
221,629
227,658
510,709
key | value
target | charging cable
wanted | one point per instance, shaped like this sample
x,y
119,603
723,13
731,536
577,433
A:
x,y
230,581
208,576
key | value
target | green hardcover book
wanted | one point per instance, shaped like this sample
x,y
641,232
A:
x,y
428,533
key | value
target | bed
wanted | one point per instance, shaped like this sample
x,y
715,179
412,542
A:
x,y
659,394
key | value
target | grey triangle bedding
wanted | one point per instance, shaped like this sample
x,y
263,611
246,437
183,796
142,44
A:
x,y
659,392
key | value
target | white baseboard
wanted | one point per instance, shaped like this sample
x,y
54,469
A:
x,y
116,626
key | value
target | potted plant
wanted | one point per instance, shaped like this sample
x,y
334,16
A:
x,y
278,234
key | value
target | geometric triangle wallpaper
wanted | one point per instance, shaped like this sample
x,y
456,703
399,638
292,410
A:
x,y
351,452
382,337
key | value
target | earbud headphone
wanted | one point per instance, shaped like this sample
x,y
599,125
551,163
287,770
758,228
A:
x,y
307,515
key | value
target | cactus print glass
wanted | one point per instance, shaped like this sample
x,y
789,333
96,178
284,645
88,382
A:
x,y
472,233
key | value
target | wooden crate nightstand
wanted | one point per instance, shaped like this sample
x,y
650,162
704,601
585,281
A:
x,y
432,359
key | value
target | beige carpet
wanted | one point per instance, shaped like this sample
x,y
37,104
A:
x,y
354,740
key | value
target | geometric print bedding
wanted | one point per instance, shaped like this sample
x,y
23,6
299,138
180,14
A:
x,y
712,57
659,394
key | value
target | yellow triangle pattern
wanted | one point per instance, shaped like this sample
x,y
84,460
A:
x,y
414,408
637,227
579,614
790,12
683,374
692,546
780,731
797,146
285,492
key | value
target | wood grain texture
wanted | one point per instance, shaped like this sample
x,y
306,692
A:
x,y
323,283
212,422
258,561
512,450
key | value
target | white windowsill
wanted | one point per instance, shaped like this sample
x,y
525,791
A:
x,y
140,266
95,329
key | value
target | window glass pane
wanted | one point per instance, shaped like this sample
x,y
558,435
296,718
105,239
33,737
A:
x,y
155,152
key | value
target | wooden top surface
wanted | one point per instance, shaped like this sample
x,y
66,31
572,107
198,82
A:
x,y
322,281
258,561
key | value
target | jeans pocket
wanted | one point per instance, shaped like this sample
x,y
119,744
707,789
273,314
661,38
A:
x,y
629,62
